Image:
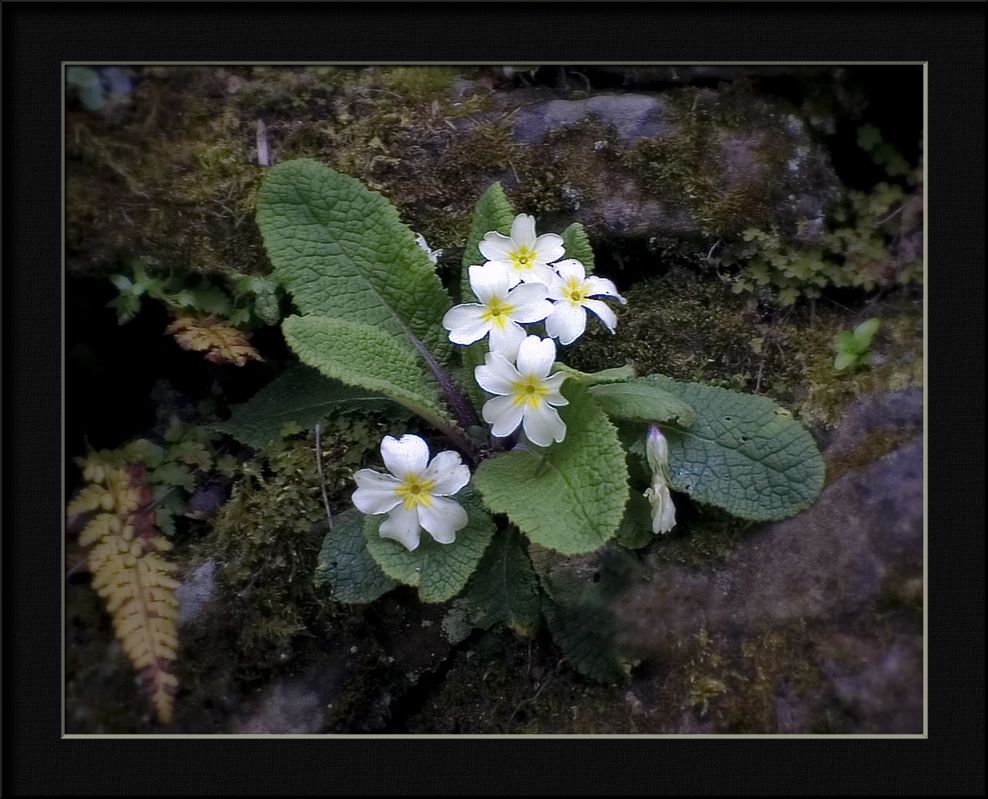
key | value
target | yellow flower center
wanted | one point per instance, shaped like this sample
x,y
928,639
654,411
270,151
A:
x,y
576,292
497,312
523,258
529,391
415,490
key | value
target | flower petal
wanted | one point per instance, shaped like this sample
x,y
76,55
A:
x,y
540,273
506,340
553,383
570,268
375,492
543,425
489,280
496,374
406,455
442,519
523,231
566,322
536,356
607,316
503,414
548,248
601,286
402,525
465,323
448,473
495,246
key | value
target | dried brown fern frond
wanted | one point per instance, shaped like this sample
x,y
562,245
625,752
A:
x,y
129,572
213,336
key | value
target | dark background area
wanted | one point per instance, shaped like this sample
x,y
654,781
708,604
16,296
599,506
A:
x,y
37,37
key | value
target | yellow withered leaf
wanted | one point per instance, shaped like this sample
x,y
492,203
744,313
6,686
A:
x,y
211,335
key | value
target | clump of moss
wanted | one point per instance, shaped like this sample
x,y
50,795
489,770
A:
x,y
692,328
265,541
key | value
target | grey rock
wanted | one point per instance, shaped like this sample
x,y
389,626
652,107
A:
x,y
844,578
632,116
196,591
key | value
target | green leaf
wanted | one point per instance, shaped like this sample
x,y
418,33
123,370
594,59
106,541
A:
x,y
300,396
845,359
504,588
585,634
345,564
439,571
365,357
635,531
865,332
577,245
492,212
173,474
642,400
846,341
869,137
616,374
571,496
342,251
744,454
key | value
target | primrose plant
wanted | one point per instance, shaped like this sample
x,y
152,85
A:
x,y
521,461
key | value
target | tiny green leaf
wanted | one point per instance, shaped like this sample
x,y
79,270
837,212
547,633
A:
x,y
345,564
865,332
577,245
439,571
845,359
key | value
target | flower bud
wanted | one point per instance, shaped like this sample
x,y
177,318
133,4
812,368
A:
x,y
658,495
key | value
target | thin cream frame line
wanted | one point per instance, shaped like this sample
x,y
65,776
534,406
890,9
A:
x,y
617,736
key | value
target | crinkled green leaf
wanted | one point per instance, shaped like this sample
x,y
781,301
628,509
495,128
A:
x,y
300,396
504,588
439,571
744,454
569,497
342,251
345,564
577,245
365,357
616,374
585,634
642,401
492,212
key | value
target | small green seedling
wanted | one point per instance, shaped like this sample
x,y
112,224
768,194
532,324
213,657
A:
x,y
852,346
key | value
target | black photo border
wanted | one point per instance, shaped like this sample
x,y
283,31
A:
x,y
38,37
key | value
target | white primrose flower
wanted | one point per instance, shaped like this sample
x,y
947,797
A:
x,y
527,393
573,291
500,312
526,256
657,453
414,494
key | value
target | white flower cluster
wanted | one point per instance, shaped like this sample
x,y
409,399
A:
x,y
526,280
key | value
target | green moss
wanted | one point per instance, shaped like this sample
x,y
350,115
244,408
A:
x,y
694,328
265,541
